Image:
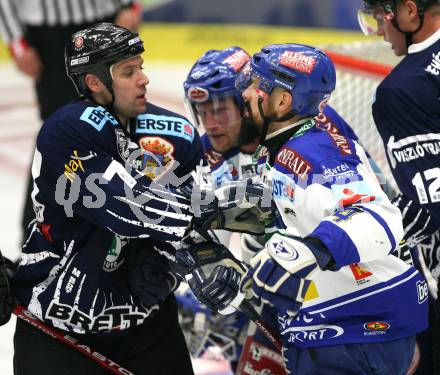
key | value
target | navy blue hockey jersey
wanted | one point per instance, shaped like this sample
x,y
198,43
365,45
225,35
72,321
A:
x,y
94,208
406,111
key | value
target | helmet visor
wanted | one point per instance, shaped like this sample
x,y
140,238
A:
x,y
372,19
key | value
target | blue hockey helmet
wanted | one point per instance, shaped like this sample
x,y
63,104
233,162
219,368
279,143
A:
x,y
212,77
205,330
305,71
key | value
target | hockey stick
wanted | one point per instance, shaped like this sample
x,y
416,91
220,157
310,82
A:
x,y
102,360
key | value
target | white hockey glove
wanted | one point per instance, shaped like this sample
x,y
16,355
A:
x,y
281,273
237,206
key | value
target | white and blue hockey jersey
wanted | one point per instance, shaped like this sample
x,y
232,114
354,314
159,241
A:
x,y
324,187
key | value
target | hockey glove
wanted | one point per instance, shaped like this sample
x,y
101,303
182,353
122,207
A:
x,y
239,206
7,302
281,273
151,279
212,273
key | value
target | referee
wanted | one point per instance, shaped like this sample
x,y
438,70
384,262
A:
x,y
36,32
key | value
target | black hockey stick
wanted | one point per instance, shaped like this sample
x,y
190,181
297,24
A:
x,y
102,360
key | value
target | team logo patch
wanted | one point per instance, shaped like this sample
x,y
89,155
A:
x,y
278,250
237,60
157,154
198,94
113,259
298,61
376,326
79,42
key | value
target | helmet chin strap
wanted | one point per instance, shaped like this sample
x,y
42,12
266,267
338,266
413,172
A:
x,y
409,34
268,119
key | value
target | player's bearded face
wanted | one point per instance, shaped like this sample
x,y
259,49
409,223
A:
x,y
250,128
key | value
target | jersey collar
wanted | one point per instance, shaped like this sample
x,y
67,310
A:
x,y
418,47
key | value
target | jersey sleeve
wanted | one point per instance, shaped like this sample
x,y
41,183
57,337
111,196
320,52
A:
x,y
87,181
362,225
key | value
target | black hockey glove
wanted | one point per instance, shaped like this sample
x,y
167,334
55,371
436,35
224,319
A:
x,y
212,273
151,279
7,301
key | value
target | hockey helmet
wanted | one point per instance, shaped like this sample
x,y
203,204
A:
x,y
95,49
212,78
208,332
369,20
305,71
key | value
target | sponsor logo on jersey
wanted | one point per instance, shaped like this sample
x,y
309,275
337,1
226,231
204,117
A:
x,y
113,259
413,147
293,162
237,60
73,278
198,94
352,197
283,190
164,125
97,117
360,274
338,172
325,124
422,291
111,319
278,250
434,66
312,333
375,328
73,165
298,61
158,153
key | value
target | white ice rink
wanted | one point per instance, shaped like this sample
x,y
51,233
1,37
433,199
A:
x,y
19,123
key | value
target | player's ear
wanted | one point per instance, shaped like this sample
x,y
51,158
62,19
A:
x,y
93,83
283,101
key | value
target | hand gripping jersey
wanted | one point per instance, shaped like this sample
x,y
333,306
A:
x,y
324,187
406,111
94,209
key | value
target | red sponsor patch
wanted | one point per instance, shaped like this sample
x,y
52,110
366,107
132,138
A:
x,y
293,162
188,129
298,61
353,197
376,326
237,60
359,273
198,94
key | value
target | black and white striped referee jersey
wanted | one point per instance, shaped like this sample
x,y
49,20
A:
x,y
15,15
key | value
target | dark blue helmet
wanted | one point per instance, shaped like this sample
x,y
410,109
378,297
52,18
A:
x,y
305,71
213,75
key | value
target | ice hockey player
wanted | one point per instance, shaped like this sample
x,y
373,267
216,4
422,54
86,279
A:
x,y
90,265
345,303
407,114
